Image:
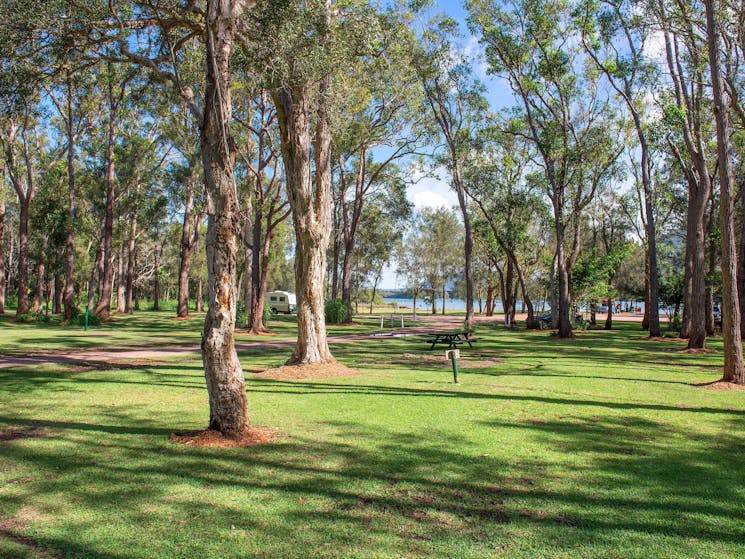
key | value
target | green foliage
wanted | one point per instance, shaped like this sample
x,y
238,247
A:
x,y
266,315
336,311
93,319
25,318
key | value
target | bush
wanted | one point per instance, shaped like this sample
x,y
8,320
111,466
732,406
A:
x,y
25,318
241,316
336,311
266,315
42,317
93,319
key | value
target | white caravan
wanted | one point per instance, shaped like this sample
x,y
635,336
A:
x,y
281,301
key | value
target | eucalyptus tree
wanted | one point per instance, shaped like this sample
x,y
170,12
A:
x,y
734,368
565,115
307,46
509,204
267,206
152,36
376,124
687,117
457,106
114,84
435,241
3,257
381,226
616,35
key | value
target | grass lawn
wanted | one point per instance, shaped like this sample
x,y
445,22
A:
x,y
598,448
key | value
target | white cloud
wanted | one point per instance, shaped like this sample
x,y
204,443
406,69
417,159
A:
x,y
429,199
654,46
429,191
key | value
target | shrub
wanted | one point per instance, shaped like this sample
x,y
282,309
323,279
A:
x,y
266,315
241,316
336,311
25,318
93,319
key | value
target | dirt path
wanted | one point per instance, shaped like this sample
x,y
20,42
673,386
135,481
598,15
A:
x,y
427,323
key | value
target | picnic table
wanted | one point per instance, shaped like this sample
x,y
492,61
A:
x,y
451,339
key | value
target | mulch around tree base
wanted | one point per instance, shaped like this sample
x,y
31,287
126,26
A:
x,y
304,372
720,385
208,437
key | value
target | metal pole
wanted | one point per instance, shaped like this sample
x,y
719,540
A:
x,y
454,360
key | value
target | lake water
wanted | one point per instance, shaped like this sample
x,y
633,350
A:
x,y
450,304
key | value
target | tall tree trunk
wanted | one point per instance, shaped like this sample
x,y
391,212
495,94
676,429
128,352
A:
x,y
95,276
2,257
413,310
741,261
121,281
69,296
734,369
38,300
261,274
310,204
199,304
468,238
609,317
57,301
131,249
222,370
694,321
189,237
103,309
564,324
22,274
156,280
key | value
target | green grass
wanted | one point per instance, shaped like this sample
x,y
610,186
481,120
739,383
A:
x,y
598,447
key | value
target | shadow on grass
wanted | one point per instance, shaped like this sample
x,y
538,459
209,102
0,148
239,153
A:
x,y
309,388
388,487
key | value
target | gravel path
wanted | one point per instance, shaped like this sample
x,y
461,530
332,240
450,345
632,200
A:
x,y
103,355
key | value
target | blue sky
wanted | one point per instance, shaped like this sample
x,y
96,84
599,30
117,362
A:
x,y
435,191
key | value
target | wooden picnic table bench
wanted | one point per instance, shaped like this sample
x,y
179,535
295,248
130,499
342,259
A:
x,y
451,339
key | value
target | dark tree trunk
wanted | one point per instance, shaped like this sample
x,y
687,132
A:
x,y
260,274
103,309
2,257
741,261
156,280
57,304
38,301
609,318
489,299
694,306
468,238
131,252
22,274
120,281
95,277
189,238
69,296
734,369
199,304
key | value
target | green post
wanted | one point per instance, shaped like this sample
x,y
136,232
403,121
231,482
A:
x,y
454,361
85,326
